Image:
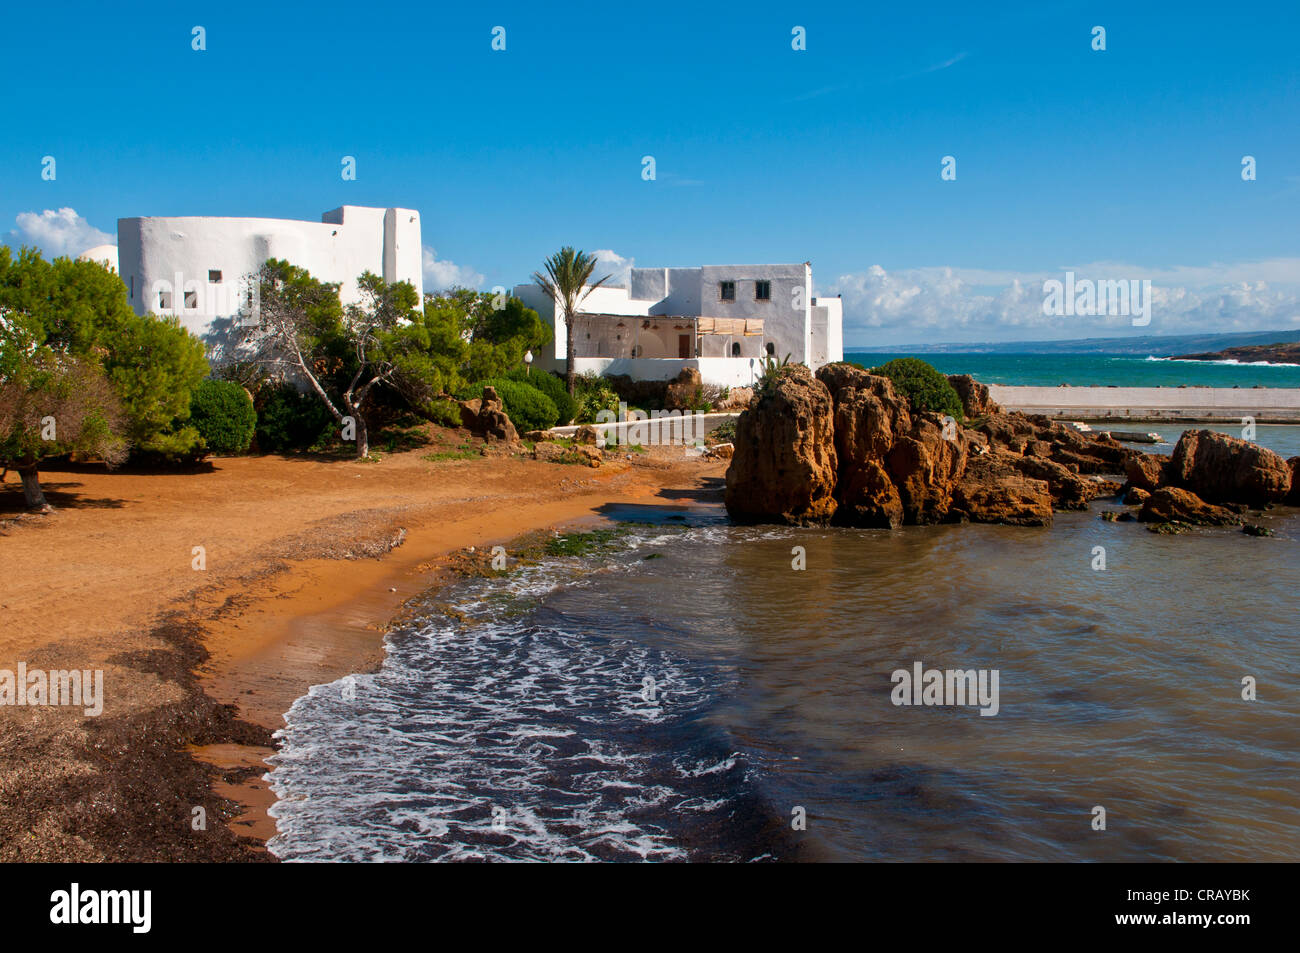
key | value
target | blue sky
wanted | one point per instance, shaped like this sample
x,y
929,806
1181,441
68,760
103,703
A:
x,y
1122,163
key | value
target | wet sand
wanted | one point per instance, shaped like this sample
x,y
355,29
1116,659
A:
x,y
306,561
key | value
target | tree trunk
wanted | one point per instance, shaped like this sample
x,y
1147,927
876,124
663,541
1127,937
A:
x,y
570,352
363,437
32,488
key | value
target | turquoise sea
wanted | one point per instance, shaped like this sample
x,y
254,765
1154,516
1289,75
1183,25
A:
x,y
1081,370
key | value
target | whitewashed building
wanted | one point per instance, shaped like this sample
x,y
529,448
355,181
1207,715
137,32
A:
x,y
723,320
199,268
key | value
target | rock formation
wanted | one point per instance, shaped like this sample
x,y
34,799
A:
x,y
842,447
1220,469
784,467
1171,505
485,418
975,399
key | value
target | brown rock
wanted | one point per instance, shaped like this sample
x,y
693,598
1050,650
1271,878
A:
x,y
867,419
867,497
1293,498
784,466
1135,496
586,436
485,418
1145,471
738,398
1173,505
975,400
1069,490
1007,429
684,391
1223,469
925,466
991,491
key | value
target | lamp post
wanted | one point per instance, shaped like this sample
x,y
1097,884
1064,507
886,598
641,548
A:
x,y
528,363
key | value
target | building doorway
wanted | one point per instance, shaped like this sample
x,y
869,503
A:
x,y
684,346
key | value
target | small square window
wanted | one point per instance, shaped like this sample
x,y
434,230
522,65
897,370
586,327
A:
x,y
214,276
191,300
762,291
726,291
165,300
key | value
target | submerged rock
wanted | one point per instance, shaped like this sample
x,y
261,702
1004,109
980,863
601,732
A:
x,y
1170,504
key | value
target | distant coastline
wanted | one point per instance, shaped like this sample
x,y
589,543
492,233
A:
x,y
1279,353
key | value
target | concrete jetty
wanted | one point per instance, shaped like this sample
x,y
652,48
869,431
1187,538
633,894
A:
x,y
1274,405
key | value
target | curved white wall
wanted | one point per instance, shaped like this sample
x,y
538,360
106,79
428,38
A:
x,y
347,241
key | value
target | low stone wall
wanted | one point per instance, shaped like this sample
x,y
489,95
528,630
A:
x,y
1190,404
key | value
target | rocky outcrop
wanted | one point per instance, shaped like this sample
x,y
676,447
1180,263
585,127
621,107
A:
x,y
485,418
1068,490
975,399
1293,498
1221,469
1172,505
784,466
867,416
844,447
993,491
925,466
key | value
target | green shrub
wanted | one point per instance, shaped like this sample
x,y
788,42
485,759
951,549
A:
x,y
554,388
923,385
443,411
223,414
288,419
594,394
724,432
526,406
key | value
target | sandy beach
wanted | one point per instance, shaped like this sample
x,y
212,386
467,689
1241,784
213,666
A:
x,y
305,561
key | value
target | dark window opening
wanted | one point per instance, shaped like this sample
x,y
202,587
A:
x,y
762,291
214,276
726,290
771,349
735,349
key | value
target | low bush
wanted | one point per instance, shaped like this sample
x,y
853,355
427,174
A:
x,y
288,419
594,394
554,388
223,414
923,385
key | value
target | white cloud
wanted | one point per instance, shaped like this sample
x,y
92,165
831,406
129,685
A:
x,y
967,304
56,233
441,275
611,263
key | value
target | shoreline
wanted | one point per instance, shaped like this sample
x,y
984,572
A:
x,y
195,690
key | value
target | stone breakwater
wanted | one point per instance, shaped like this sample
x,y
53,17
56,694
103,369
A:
x,y
1230,404
843,448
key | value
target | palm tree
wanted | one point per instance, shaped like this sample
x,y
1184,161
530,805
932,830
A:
x,y
565,281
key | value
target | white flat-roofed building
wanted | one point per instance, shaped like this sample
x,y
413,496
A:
x,y
199,267
723,320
